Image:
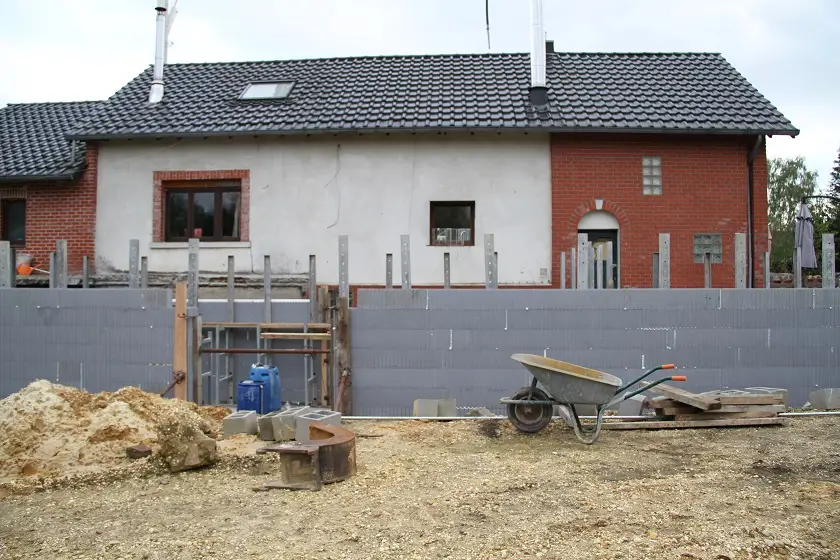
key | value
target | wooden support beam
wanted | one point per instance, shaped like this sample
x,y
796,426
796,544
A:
x,y
687,424
344,402
297,335
324,315
267,326
179,355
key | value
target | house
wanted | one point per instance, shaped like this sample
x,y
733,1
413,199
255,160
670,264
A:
x,y
279,158
47,182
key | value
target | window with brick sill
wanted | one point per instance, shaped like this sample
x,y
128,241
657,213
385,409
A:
x,y
205,210
13,222
651,175
452,223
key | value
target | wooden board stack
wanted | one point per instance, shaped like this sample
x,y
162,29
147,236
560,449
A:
x,y
676,408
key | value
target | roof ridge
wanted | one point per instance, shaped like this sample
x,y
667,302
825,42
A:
x,y
36,103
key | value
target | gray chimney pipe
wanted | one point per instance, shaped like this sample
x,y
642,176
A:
x,y
156,93
538,93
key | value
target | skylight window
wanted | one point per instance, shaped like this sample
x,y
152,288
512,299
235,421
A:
x,y
267,90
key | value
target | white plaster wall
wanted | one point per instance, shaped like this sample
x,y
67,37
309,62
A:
x,y
305,192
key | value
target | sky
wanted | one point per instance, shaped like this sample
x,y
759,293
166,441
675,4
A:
x,y
69,50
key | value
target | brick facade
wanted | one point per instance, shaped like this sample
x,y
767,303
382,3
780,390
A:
x,y
158,200
56,211
704,190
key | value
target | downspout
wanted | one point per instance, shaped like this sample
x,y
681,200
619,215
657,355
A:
x,y
750,179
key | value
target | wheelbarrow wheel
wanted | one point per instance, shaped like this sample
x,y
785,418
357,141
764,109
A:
x,y
529,418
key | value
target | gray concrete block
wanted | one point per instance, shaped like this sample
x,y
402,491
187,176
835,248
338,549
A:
x,y
240,422
283,423
266,428
632,406
827,399
425,407
446,407
303,421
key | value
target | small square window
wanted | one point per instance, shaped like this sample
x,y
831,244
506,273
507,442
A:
x,y
267,90
711,243
452,223
652,175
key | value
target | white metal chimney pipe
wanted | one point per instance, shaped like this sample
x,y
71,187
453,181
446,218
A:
x,y
156,93
537,45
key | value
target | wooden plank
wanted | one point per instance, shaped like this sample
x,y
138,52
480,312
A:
x,y
297,335
665,402
673,424
714,415
724,409
692,399
343,358
750,399
179,355
324,315
268,326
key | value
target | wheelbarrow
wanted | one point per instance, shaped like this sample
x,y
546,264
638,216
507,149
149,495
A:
x,y
530,408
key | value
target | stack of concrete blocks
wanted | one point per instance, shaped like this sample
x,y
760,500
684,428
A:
x,y
240,422
283,423
825,399
428,408
266,425
303,421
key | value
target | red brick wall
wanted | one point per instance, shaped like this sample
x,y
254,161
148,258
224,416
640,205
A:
x,y
704,190
57,211
158,209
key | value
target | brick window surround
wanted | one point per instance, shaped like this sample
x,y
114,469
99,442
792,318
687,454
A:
x,y
160,177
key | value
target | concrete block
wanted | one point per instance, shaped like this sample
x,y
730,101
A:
x,y
826,399
240,422
425,407
266,428
303,421
283,423
446,407
632,406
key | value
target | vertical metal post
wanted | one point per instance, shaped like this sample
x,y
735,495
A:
x,y
573,266
828,266
231,284
665,260
313,291
85,272
446,277
389,270
599,271
767,269
343,266
582,266
740,260
61,263
229,317
562,270
405,271
192,274
707,270
655,281
591,265
134,263
266,288
52,270
610,280
7,265
144,272
797,267
496,267
489,272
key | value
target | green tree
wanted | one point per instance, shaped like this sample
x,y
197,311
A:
x,y
788,180
833,206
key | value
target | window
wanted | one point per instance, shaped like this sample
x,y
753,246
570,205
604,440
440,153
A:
x,y
711,243
206,210
13,222
267,90
652,175
452,223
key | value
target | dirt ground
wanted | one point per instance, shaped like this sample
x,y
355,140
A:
x,y
469,490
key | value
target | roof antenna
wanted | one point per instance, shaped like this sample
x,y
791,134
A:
x,y
156,93
487,20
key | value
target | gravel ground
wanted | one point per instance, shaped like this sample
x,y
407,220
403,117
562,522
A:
x,y
468,490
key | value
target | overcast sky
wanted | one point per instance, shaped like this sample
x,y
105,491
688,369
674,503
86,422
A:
x,y
65,50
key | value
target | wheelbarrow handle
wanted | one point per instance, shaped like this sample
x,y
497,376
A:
x,y
654,384
645,374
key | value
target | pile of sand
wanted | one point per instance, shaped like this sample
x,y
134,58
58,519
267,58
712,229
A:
x,y
55,430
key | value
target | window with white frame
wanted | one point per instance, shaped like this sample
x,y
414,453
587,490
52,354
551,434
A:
x,y
652,175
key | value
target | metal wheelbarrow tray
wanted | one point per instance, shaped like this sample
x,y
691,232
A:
x,y
530,408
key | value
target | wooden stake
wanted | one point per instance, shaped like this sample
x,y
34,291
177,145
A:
x,y
345,401
179,356
324,316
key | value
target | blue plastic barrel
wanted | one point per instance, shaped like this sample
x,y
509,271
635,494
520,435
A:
x,y
270,375
251,395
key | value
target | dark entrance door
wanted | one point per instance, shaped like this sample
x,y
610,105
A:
x,y
602,237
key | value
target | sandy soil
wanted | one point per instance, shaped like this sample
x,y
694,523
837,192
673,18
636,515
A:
x,y
469,490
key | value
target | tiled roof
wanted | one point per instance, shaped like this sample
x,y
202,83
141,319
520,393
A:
x,y
33,143
688,92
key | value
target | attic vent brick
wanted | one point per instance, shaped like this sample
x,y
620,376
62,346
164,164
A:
x,y
267,90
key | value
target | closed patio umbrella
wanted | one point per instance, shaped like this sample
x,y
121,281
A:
x,y
804,236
